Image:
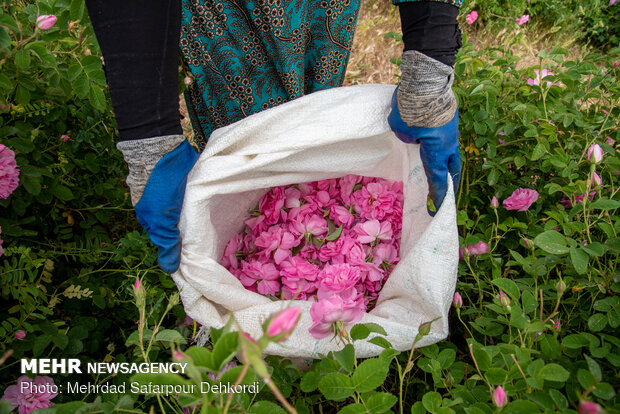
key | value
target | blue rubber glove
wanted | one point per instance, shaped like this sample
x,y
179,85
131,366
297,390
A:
x,y
159,208
439,150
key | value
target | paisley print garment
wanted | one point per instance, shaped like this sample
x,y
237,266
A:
x,y
457,3
248,56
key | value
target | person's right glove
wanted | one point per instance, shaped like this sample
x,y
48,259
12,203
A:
x,y
158,169
425,112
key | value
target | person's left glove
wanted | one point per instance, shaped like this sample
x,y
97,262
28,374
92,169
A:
x,y
158,169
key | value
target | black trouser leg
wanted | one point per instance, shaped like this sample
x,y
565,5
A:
x,y
430,27
139,40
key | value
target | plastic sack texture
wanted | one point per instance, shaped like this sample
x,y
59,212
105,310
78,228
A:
x,y
323,135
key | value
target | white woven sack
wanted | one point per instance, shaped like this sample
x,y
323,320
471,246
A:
x,y
323,135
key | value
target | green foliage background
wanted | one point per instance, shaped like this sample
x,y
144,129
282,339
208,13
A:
x,y
73,249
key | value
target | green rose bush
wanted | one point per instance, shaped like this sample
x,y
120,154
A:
x,y
534,321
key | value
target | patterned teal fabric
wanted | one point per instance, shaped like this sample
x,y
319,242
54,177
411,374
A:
x,y
457,3
250,55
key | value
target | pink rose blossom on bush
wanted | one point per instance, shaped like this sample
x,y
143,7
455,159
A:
x,y
521,199
473,250
187,321
9,173
589,407
504,300
138,288
539,76
523,19
471,17
595,153
28,401
46,21
457,300
216,377
499,396
20,334
576,199
281,326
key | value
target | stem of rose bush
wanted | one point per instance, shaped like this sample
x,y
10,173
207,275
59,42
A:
x,y
172,407
514,358
494,231
409,366
458,315
229,398
613,105
521,338
171,302
402,374
471,352
476,278
586,198
141,325
555,309
161,407
274,389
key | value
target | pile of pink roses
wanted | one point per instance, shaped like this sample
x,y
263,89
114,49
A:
x,y
332,241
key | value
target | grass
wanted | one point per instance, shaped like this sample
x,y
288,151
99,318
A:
x,y
371,52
